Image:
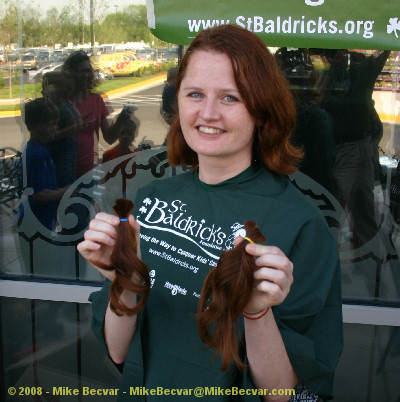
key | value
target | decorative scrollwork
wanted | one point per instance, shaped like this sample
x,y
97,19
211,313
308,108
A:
x,y
97,190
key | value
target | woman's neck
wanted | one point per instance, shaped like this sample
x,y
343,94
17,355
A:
x,y
216,171
80,96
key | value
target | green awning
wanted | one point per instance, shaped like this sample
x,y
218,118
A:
x,y
341,24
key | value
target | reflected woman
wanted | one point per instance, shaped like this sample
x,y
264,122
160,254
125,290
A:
x,y
93,110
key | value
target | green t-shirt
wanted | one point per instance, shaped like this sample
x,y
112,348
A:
x,y
185,226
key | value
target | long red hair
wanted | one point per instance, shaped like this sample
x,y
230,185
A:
x,y
131,272
226,291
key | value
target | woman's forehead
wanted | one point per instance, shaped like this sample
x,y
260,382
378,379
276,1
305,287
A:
x,y
205,65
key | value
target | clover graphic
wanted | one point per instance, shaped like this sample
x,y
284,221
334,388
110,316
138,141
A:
x,y
393,26
143,210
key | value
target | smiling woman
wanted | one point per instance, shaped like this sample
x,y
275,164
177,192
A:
x,y
230,152
235,116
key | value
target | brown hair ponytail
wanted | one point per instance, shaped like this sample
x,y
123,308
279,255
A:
x,y
131,272
226,291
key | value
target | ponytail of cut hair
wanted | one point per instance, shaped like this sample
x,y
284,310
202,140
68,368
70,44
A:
x,y
131,272
226,291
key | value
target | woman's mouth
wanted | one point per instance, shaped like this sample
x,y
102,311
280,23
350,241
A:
x,y
210,130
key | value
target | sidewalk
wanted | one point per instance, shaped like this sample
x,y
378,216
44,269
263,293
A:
x,y
154,81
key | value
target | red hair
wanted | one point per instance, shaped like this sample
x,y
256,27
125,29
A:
x,y
131,272
226,292
265,93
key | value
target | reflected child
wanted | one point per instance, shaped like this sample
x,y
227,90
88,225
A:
x,y
41,118
128,133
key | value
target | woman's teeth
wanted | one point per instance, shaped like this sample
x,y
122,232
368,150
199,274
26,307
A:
x,y
210,130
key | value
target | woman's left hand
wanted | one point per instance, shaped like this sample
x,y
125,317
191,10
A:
x,y
273,278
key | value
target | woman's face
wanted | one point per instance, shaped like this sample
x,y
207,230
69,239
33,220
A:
x,y
214,120
82,74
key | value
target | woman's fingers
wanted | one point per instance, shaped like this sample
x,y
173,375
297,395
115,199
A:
x,y
270,256
273,279
87,246
100,238
259,249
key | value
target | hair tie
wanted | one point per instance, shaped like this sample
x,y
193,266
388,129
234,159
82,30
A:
x,y
249,240
123,220
251,316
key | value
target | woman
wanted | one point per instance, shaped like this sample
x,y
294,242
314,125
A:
x,y
235,116
92,109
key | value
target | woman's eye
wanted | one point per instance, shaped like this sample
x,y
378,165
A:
x,y
230,98
195,95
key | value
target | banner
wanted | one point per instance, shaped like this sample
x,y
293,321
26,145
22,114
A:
x,y
336,24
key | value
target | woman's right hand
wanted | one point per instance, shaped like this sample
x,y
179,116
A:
x,y
100,240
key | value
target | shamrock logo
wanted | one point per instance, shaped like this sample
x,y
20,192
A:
x,y
393,26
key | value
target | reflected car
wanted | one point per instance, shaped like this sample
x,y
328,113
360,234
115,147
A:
x,y
119,63
36,75
29,61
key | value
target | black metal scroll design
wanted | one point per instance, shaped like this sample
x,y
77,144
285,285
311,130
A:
x,y
380,248
93,192
10,175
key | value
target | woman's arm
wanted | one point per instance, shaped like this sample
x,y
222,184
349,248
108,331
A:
x,y
270,367
97,247
269,363
119,330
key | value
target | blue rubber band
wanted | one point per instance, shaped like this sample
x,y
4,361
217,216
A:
x,y
123,220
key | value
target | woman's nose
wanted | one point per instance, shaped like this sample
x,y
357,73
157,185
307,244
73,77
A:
x,y
209,109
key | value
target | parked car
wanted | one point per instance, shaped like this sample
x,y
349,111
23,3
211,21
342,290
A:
x,y
43,58
145,54
12,58
118,63
58,57
36,75
29,61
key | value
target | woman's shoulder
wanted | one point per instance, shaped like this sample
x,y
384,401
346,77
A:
x,y
94,97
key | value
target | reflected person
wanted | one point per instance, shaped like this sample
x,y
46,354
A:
x,y
93,110
346,94
314,130
41,118
57,86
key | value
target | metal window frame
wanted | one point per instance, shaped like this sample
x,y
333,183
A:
x,y
74,293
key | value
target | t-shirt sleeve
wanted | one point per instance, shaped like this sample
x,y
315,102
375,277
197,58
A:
x,y
38,173
310,319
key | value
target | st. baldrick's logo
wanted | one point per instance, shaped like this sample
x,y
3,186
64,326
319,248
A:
x,y
161,215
